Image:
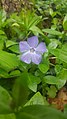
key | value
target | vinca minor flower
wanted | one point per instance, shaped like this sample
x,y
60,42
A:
x,y
31,50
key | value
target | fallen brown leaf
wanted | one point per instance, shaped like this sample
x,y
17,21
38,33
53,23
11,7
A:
x,y
60,100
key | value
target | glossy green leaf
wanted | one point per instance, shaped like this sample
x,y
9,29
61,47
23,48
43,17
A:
x,y
15,48
58,68
7,116
53,44
62,74
54,80
65,109
8,61
31,19
15,73
10,43
40,112
2,32
64,47
50,79
53,32
60,54
61,83
51,92
37,99
20,90
32,82
5,101
3,73
65,23
44,66
1,44
2,17
52,13
36,30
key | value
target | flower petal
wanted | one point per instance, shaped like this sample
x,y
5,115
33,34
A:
x,y
26,57
41,48
36,58
24,46
33,41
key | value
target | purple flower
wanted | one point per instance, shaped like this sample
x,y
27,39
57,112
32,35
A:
x,y
31,50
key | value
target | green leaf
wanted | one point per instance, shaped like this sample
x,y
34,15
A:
x,y
40,112
5,101
2,18
20,90
32,82
54,80
8,61
44,66
52,91
53,44
31,19
62,74
50,79
7,116
15,73
51,11
60,54
53,32
37,99
58,68
15,24
1,44
10,43
65,23
3,37
65,109
64,47
36,30
61,83
15,48
3,73
2,32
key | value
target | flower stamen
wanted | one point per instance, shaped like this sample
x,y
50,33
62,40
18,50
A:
x,y
32,50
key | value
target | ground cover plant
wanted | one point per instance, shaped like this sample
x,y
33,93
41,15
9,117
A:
x,y
33,61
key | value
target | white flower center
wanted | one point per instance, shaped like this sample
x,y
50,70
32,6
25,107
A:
x,y
32,50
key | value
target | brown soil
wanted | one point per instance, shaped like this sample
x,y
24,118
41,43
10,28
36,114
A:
x,y
60,100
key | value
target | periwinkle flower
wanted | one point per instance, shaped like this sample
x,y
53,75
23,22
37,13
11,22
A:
x,y
31,50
